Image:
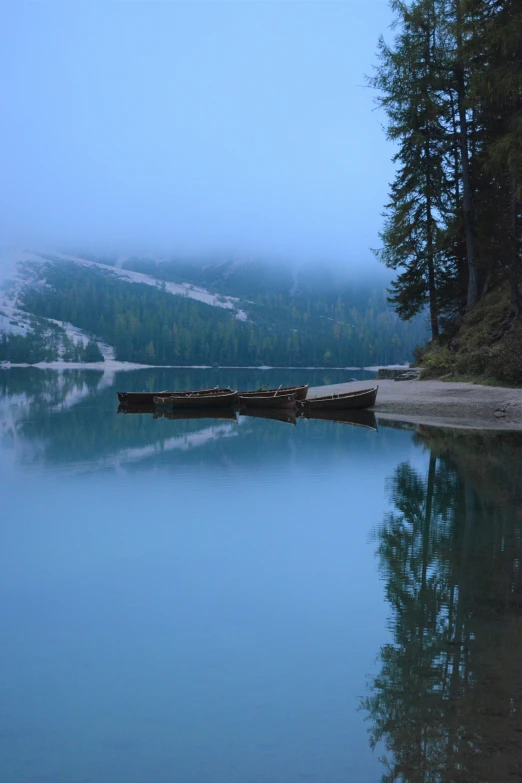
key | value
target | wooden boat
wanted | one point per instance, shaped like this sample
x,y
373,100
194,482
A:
x,y
299,391
277,414
166,399
215,399
355,418
363,398
274,400
147,398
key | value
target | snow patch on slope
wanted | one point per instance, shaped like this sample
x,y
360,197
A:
x,y
176,289
77,335
14,320
23,266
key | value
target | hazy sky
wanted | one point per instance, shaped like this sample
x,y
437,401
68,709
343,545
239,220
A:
x,y
195,127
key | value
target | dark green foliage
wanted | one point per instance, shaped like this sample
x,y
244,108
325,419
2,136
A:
x,y
505,364
80,351
412,94
473,349
91,352
27,349
451,85
145,324
46,342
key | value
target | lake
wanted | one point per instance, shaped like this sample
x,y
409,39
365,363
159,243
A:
x,y
250,600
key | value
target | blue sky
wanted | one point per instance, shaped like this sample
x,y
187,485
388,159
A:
x,y
220,127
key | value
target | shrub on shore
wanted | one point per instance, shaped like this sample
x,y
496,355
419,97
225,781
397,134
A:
x,y
479,347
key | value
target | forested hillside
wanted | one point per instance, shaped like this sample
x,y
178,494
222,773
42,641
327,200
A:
x,y
286,320
28,339
451,85
46,343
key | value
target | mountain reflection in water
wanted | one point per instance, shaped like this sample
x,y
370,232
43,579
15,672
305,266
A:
x,y
203,598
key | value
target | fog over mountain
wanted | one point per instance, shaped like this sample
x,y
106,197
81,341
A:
x,y
237,128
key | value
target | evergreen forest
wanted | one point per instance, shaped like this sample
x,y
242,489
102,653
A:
x,y
47,342
332,326
450,84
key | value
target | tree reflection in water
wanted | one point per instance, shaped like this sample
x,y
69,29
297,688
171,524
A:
x,y
447,702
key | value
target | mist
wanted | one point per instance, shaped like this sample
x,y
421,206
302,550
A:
x,y
215,128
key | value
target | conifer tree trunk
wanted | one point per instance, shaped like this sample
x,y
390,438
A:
x,y
515,304
432,291
461,261
467,201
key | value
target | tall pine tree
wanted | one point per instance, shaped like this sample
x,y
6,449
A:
x,y
412,94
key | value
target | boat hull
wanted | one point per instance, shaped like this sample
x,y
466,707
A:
x,y
147,398
300,392
222,399
357,400
275,401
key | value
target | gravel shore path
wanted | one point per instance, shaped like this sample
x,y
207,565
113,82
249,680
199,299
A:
x,y
441,404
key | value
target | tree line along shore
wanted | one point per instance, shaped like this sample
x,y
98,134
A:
x,y
336,325
450,84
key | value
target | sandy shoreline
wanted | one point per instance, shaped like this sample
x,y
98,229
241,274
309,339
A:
x,y
436,403
441,404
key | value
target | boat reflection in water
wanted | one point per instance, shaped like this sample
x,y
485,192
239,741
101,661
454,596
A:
x,y
220,414
356,418
137,408
228,414
287,415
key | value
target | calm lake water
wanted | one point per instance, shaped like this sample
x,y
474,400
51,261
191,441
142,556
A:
x,y
251,600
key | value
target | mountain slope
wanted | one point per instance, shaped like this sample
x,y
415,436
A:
x,y
26,338
187,289
216,313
